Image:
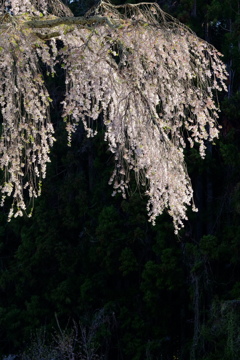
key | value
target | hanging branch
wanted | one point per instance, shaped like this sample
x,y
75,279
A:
x,y
152,79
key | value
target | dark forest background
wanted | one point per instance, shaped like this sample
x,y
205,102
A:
x,y
91,261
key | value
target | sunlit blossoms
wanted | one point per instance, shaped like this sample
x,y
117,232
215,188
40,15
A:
x,y
150,78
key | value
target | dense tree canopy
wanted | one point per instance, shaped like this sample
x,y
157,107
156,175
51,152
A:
x,y
150,79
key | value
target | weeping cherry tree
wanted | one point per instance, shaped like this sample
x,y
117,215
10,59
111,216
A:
x,y
152,80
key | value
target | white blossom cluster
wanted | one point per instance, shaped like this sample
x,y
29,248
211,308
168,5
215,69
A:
x,y
151,79
153,86
27,132
35,7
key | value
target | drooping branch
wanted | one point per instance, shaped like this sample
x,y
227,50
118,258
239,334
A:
x,y
150,77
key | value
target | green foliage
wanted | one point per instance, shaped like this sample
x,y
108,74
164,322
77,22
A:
x,y
128,262
209,246
231,111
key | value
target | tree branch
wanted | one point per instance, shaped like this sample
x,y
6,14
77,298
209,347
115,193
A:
x,y
81,20
51,23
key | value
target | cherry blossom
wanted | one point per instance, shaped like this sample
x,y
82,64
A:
x,y
151,78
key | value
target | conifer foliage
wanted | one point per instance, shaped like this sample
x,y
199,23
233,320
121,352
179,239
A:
x,y
151,79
